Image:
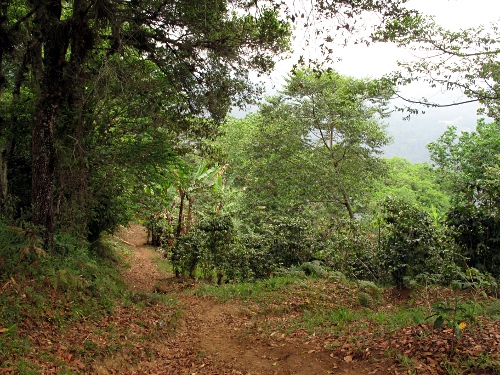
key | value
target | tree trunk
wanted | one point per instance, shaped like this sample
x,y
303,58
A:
x,y
178,231
347,204
73,210
55,43
189,221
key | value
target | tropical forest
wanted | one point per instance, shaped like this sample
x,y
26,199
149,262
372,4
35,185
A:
x,y
163,211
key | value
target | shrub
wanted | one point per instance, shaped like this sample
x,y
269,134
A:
x,y
251,258
290,241
208,246
478,235
350,249
187,253
414,246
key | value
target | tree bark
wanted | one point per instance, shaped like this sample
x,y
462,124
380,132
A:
x,y
55,44
178,230
348,206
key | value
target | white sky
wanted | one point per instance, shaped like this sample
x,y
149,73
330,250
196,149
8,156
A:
x,y
378,59
450,14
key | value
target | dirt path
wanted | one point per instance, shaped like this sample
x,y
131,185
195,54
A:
x,y
143,274
219,338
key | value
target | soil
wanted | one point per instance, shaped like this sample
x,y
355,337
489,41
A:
x,y
216,338
164,327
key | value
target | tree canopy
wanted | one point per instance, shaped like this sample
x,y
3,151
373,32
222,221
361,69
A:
x,y
314,142
91,85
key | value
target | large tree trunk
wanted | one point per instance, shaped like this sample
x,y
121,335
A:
x,y
54,35
72,208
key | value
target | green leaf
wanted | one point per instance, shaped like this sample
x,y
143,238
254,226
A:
x,y
438,323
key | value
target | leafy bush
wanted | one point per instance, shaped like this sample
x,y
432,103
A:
x,y
478,235
251,258
187,253
414,246
209,246
314,268
290,241
351,249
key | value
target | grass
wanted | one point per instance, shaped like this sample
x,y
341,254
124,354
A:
x,y
317,304
43,296
332,313
164,265
275,289
83,286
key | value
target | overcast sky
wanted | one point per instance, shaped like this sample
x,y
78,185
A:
x,y
379,59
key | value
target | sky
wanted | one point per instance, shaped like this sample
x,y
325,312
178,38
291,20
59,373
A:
x,y
379,59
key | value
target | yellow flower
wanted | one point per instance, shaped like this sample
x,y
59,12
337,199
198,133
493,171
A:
x,y
462,325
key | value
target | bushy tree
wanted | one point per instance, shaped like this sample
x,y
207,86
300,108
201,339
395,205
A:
x,y
311,145
414,246
467,164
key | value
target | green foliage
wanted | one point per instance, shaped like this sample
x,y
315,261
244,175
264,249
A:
x,y
309,147
187,253
290,241
216,247
85,285
456,315
369,294
415,183
482,283
493,309
467,163
219,242
477,234
124,98
209,246
314,269
414,246
350,248
252,259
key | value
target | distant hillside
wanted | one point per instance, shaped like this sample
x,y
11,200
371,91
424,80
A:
x,y
412,136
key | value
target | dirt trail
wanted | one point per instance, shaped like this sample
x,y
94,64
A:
x,y
219,338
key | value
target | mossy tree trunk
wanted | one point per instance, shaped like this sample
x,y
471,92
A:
x,y
54,39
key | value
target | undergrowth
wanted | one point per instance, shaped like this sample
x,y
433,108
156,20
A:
x,y
41,291
359,315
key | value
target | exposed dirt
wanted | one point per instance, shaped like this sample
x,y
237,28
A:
x,y
165,328
218,338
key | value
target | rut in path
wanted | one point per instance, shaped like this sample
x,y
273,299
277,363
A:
x,y
219,338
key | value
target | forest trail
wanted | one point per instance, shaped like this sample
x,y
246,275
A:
x,y
216,338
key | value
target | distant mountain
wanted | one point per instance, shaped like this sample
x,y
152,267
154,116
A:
x,y
412,136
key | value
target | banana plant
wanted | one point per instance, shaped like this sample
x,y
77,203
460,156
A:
x,y
188,184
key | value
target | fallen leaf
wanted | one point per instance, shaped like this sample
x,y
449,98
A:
x,y
348,358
